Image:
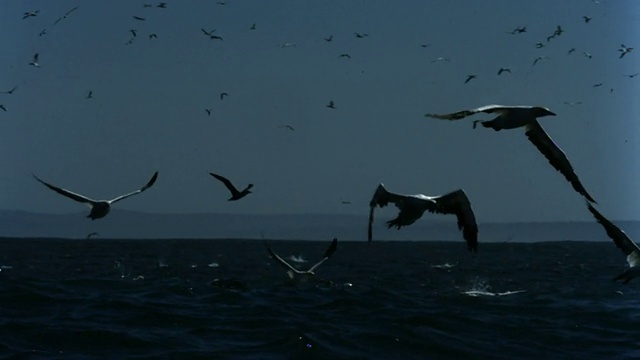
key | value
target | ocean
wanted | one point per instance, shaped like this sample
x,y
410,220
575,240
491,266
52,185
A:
x,y
227,299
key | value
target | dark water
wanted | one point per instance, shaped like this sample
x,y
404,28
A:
x,y
226,299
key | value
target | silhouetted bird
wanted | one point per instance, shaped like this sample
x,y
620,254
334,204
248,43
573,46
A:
x,y
208,111
162,5
34,61
345,56
10,91
360,36
331,105
538,59
64,16
504,70
153,36
235,194
470,77
586,19
90,94
624,50
28,14
139,18
253,26
518,30
222,95
3,108
329,38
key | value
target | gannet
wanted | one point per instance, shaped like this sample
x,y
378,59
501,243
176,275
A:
x,y
235,194
291,271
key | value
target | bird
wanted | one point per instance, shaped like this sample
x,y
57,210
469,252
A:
x,y
571,50
222,95
345,55
10,91
286,45
138,18
624,50
587,55
208,111
328,39
28,14
216,37
586,19
208,33
90,94
597,85
2,107
504,70
624,243
34,61
162,5
413,206
539,45
292,271
331,105
133,32
99,208
538,59
153,36
92,234
631,76
287,127
360,36
253,26
43,32
470,77
64,16
235,194
572,103
511,117
518,30
440,59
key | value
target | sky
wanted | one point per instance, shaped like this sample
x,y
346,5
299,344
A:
x,y
148,113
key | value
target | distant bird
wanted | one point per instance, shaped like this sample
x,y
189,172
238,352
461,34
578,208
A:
x,y
331,105
235,194
3,108
139,18
518,30
90,235
511,117
588,56
162,5
147,5
28,14
538,59
133,32
208,33
11,91
328,39
360,36
586,19
253,26
99,208
504,70
287,127
597,85
153,36
571,50
222,95
216,37
558,31
43,32
345,202
572,103
632,75
412,207
221,3
208,111
425,45
440,59
292,271
34,61
624,50
287,45
470,77
64,16
539,45
624,243
90,94
345,55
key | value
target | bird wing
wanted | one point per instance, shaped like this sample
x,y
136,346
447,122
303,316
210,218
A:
x,y
458,203
464,113
327,254
67,193
148,185
282,262
619,237
226,183
555,155
381,198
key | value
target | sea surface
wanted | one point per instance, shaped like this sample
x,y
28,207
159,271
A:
x,y
227,299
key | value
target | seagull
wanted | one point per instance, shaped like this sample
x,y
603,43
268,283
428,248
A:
x,y
99,208
28,14
253,26
65,15
287,127
360,36
331,105
34,62
328,39
588,55
572,103
222,95
413,206
518,30
470,77
291,271
622,241
208,111
2,107
92,234
511,117
624,50
345,55
90,94
153,36
235,194
539,58
10,91
503,70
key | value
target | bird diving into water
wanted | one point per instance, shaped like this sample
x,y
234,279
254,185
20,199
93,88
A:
x,y
511,117
292,271
235,194
99,208
412,207
624,243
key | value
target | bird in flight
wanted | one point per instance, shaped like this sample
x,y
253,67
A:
x,y
235,194
331,105
28,14
34,61
292,271
631,76
518,30
504,70
360,36
440,59
511,117
470,77
2,107
64,16
586,19
162,5
222,95
328,39
138,18
287,127
208,111
90,94
99,208
572,103
153,36
412,207
90,235
538,59
10,91
253,26
345,55
624,243
624,50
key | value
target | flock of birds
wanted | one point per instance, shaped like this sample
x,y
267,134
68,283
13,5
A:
x,y
411,207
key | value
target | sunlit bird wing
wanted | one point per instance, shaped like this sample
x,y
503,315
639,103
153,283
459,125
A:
x,y
148,185
327,254
282,262
67,193
619,237
465,113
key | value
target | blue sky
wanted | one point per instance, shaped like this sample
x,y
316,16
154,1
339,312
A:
x,y
149,98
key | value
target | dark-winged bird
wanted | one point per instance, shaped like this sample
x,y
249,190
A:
x,y
90,94
99,208
28,14
624,50
622,241
222,95
3,108
235,194
470,77
34,61
331,105
138,18
511,117
292,271
328,39
287,127
504,70
413,206
518,30
586,19
10,91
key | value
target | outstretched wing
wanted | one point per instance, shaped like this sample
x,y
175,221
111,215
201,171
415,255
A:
x,y
619,237
327,254
555,155
226,183
67,193
464,113
148,185
281,261
458,203
381,198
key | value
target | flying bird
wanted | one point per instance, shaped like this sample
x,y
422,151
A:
x,y
253,26
571,50
538,59
222,95
287,127
586,19
153,36
587,55
572,103
597,85
624,50
292,271
345,55
286,45
470,77
2,107
504,70
28,14
440,59
331,105
43,32
518,30
208,111
413,206
10,91
511,117
90,94
360,36
208,33
139,18
99,208
539,45
90,235
34,61
631,76
235,194
624,243
328,39
162,5
64,16
134,32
